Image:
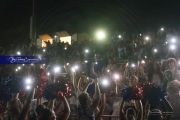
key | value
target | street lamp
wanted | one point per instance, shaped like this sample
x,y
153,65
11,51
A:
x,y
173,40
172,47
18,53
86,50
100,35
155,50
147,38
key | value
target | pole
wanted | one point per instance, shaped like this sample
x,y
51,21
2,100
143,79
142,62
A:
x,y
33,24
34,20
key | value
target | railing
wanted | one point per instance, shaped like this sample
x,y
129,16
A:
x,y
104,117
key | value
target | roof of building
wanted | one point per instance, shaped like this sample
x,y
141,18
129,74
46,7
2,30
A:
x,y
62,34
45,37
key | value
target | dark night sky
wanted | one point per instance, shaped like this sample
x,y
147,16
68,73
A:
x,y
85,16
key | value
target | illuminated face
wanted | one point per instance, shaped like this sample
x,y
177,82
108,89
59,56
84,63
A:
x,y
171,65
133,81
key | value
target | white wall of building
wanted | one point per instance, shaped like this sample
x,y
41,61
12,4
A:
x,y
66,39
74,37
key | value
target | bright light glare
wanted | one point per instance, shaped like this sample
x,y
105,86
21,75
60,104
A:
x,y
105,82
86,50
173,40
145,56
65,48
147,38
133,65
44,50
32,64
116,76
48,73
108,70
55,36
23,64
172,47
86,61
16,70
76,67
73,70
119,36
155,50
142,61
100,35
44,64
28,87
162,29
140,34
67,64
166,42
28,81
18,53
19,68
96,62
56,69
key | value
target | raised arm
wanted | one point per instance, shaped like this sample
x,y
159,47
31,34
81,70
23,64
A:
x,y
121,111
74,81
25,110
99,116
51,104
87,85
125,71
96,95
79,84
67,110
146,110
139,107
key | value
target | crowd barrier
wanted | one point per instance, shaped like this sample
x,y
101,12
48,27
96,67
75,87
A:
x,y
104,117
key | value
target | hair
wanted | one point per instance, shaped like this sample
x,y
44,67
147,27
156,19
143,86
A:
x,y
133,76
39,109
171,60
14,106
173,86
159,71
83,97
46,114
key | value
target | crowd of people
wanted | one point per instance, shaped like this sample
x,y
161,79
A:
x,y
97,72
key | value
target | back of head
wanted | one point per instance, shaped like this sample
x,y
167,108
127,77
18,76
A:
x,y
173,87
39,109
14,106
83,97
47,114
